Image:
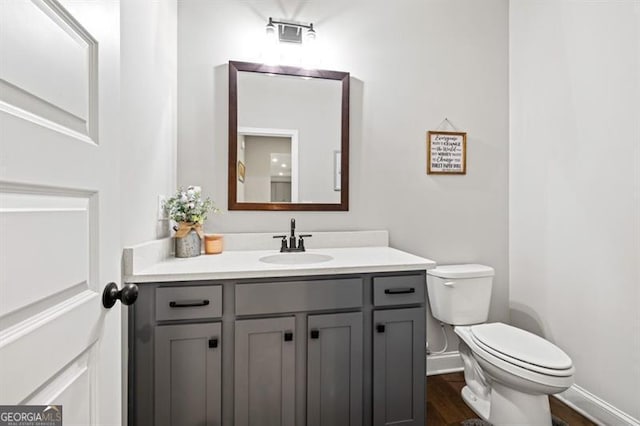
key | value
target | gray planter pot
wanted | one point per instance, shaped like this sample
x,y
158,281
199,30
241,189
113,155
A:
x,y
189,245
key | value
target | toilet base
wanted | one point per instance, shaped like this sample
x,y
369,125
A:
x,y
478,405
509,407
512,407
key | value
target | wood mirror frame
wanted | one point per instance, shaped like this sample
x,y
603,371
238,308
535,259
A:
x,y
343,77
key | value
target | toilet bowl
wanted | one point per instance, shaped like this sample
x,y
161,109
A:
x,y
509,372
518,388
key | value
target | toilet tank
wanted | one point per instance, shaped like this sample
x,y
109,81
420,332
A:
x,y
460,294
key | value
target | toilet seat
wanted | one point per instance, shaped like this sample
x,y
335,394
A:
x,y
516,368
522,349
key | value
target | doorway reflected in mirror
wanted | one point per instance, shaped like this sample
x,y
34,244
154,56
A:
x,y
270,159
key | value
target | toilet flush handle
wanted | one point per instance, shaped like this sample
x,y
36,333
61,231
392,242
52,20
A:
x,y
450,283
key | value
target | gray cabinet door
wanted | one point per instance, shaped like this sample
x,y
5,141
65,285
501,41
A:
x,y
399,367
265,372
187,375
334,370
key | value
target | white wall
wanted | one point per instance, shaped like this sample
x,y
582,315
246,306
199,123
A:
x,y
413,63
575,187
149,119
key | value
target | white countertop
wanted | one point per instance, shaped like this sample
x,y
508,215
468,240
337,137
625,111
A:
x,y
237,264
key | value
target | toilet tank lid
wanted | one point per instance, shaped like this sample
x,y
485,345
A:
x,y
462,271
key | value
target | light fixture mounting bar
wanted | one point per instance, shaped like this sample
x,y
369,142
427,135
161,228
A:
x,y
291,31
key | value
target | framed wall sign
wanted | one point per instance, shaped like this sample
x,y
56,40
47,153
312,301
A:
x,y
446,153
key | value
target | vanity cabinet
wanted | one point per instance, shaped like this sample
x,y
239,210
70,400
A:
x,y
334,369
398,351
188,379
265,366
398,367
317,351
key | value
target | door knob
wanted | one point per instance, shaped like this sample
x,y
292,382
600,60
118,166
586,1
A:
x,y
127,295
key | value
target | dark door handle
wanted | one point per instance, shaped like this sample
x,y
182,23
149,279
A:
x,y
188,304
406,290
213,342
315,334
111,294
288,336
380,328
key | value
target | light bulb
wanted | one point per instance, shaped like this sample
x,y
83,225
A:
x,y
270,49
271,29
311,34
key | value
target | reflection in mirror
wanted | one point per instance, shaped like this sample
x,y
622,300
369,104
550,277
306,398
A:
x,y
267,159
289,127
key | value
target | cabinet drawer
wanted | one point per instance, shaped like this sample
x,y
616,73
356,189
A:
x,y
402,290
298,296
175,303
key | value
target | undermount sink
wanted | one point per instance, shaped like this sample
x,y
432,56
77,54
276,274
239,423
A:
x,y
295,258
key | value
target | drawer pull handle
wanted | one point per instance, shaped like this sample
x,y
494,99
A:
x,y
399,290
380,328
213,343
288,336
188,304
315,334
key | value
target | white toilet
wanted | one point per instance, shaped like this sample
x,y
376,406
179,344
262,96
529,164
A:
x,y
509,372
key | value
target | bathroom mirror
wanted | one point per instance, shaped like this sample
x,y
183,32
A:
x,y
288,138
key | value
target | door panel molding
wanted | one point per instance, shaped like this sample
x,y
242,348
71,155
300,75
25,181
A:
x,y
26,344
35,228
72,110
74,383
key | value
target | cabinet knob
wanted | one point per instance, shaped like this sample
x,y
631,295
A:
x,y
380,328
315,334
213,343
288,336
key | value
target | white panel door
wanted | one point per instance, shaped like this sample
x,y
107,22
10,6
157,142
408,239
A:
x,y
59,212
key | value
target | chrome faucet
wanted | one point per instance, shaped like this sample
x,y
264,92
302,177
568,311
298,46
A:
x,y
293,246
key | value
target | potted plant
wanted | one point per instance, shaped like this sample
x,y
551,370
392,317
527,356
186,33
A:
x,y
189,211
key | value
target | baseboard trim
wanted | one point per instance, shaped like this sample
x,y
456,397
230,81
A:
x,y
448,362
594,408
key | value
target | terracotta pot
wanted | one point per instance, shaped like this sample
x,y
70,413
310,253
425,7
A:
x,y
213,243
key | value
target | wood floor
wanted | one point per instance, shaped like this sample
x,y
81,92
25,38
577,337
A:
x,y
445,406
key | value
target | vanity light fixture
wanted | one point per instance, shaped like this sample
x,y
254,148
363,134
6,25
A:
x,y
290,31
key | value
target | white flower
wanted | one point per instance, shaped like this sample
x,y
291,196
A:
x,y
187,206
